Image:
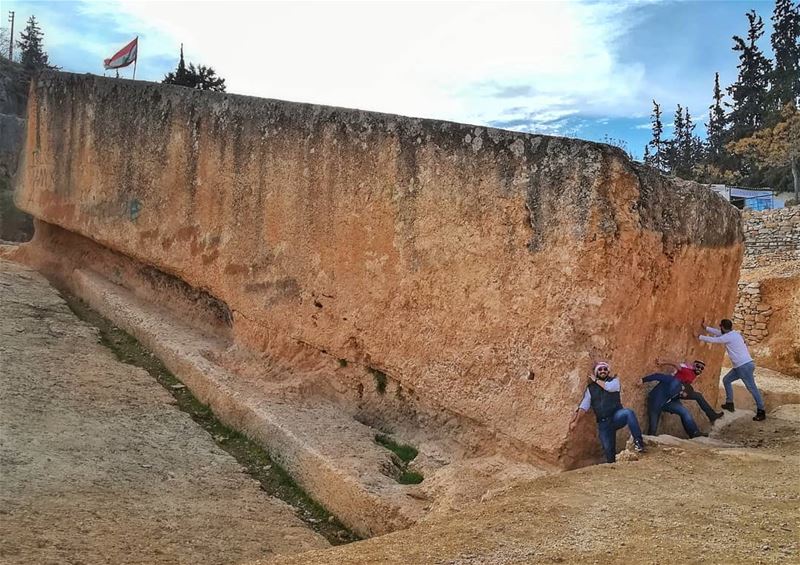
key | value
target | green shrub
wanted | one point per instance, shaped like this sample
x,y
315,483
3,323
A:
x,y
380,380
405,452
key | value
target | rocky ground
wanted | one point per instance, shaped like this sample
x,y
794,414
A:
x,y
98,466
683,502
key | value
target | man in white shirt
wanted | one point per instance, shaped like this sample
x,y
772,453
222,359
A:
x,y
603,396
742,362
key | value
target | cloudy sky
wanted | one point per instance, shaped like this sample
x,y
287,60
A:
x,y
585,69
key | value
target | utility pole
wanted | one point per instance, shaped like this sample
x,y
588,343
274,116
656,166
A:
x,y
11,39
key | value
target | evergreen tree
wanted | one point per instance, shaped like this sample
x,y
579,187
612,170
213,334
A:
x,y
749,92
5,41
647,159
181,75
200,77
32,54
207,78
785,39
715,128
674,150
657,158
689,145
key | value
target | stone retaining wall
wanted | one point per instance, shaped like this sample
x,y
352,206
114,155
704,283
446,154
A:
x,y
771,236
751,314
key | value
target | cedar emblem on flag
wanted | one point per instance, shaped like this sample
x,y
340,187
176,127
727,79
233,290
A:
x,y
123,57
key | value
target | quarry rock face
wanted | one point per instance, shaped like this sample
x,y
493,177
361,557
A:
x,y
481,270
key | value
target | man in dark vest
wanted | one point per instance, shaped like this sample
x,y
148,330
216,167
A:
x,y
603,396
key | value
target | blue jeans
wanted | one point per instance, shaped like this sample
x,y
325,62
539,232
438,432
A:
x,y
692,394
607,430
745,372
674,406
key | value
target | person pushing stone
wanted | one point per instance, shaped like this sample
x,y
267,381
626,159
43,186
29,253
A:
x,y
603,396
743,365
665,397
687,373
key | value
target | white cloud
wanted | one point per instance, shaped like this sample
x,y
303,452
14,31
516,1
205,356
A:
x,y
446,60
421,59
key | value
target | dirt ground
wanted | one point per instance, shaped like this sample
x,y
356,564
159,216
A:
x,y
689,502
97,465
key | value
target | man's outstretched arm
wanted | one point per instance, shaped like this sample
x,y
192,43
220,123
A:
x,y
667,363
656,377
713,339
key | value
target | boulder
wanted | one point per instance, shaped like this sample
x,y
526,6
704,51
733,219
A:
x,y
483,270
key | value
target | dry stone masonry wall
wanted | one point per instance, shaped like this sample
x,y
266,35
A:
x,y
751,315
771,237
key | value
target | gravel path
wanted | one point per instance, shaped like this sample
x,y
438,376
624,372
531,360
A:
x,y
98,466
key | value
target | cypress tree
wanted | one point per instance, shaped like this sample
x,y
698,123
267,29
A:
x,y
200,77
689,145
785,40
180,76
715,128
674,147
749,92
658,157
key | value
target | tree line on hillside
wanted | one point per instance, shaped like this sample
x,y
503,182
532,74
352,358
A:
x,y
33,57
752,139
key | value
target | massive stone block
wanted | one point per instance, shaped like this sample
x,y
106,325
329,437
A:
x,y
481,269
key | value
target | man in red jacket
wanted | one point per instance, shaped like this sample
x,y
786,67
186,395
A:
x,y
686,373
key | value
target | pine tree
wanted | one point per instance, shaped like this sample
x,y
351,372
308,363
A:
x,y
715,128
200,77
674,147
32,54
785,39
749,92
207,78
647,159
181,75
658,157
690,145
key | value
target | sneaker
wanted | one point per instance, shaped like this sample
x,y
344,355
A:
x,y
716,416
700,434
638,446
760,415
728,406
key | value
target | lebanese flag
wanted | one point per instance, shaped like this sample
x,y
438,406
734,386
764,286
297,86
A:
x,y
123,57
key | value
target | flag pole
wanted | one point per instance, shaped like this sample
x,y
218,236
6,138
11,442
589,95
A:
x,y
137,57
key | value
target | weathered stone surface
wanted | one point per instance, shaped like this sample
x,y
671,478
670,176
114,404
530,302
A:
x,y
778,347
479,269
14,225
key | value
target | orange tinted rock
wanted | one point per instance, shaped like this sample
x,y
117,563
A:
x,y
457,260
